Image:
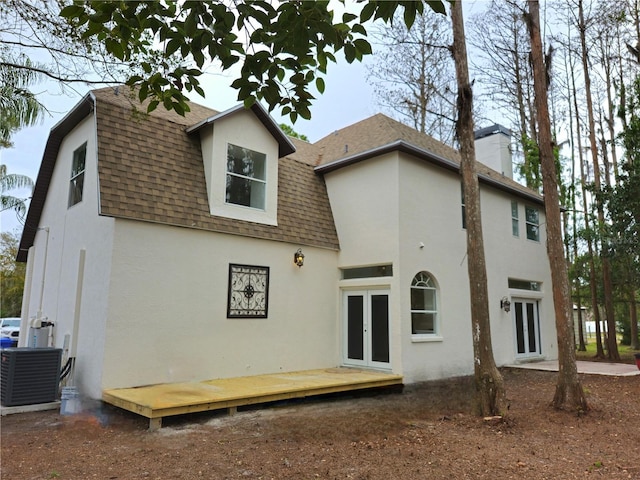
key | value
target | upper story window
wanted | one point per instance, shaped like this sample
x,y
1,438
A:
x,y
515,223
367,272
424,306
525,284
532,218
77,175
246,177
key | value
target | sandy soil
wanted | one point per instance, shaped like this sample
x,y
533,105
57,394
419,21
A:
x,y
427,431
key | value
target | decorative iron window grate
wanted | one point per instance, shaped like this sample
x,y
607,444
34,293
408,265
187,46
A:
x,y
248,291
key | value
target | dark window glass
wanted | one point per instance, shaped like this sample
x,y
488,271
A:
x,y
367,272
76,186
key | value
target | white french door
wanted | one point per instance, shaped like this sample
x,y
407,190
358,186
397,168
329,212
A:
x,y
366,328
527,327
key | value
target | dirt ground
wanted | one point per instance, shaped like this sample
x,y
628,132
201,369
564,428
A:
x,y
427,431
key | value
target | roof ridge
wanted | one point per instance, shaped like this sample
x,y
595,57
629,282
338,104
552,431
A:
x,y
124,96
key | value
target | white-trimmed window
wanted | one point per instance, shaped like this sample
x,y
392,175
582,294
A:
x,y
76,186
246,177
515,222
532,218
424,305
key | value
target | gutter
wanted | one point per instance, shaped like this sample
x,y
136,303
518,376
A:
x,y
404,147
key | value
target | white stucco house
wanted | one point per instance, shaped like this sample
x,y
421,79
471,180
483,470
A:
x,y
162,248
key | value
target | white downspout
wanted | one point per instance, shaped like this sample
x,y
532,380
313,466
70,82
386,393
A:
x,y
76,314
26,299
44,271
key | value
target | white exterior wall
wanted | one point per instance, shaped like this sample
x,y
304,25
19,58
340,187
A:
x,y
385,209
243,129
364,200
513,257
71,230
432,215
154,298
168,308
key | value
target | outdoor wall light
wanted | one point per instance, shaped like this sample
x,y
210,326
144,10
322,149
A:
x,y
298,258
505,304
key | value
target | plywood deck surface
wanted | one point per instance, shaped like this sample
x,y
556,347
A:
x,y
157,401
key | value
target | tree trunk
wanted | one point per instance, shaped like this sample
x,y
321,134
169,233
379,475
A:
x,y
612,345
633,319
489,382
574,218
593,289
569,393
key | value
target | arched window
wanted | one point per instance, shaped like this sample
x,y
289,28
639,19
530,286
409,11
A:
x,y
424,305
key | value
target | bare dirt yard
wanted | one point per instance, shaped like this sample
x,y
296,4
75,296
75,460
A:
x,y
426,432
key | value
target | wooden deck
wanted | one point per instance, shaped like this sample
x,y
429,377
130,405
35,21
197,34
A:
x,y
163,400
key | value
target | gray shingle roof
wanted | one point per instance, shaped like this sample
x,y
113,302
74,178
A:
x,y
150,169
371,136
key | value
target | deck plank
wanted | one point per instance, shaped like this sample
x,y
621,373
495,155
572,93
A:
x,y
157,401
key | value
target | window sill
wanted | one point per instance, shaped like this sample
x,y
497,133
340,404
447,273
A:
x,y
426,338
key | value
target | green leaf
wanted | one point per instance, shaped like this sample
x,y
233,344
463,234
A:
x,y
362,46
349,53
114,47
437,6
348,17
357,28
172,47
198,57
409,16
320,84
367,11
249,101
191,24
72,11
179,108
199,90
304,112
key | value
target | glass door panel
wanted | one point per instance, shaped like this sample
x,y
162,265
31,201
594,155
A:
x,y
380,328
355,327
527,328
366,328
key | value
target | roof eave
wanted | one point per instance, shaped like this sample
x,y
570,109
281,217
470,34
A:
x,y
285,146
402,146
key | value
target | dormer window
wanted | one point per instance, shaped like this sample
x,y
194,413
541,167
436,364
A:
x,y
246,177
240,152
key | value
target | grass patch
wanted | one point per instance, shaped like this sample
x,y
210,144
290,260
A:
x,y
626,354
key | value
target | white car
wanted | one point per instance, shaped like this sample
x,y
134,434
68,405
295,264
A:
x,y
10,328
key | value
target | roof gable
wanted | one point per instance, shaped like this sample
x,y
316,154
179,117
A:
x,y
150,169
374,132
380,134
284,144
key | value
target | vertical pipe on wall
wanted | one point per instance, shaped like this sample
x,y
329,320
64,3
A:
x,y
76,310
26,299
44,270
76,313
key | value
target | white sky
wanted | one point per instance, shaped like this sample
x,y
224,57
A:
x,y
347,99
